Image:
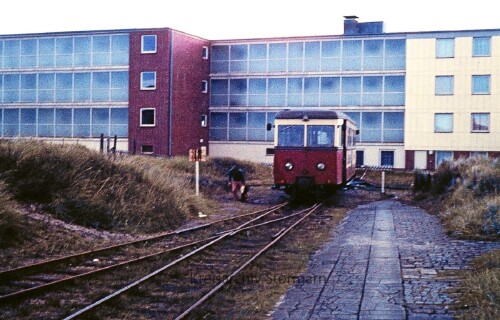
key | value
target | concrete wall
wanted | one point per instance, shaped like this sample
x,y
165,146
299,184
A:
x,y
250,151
373,154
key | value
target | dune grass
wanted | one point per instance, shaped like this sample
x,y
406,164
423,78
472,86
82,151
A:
x,y
135,194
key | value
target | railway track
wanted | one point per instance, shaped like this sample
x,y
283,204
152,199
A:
x,y
26,281
168,280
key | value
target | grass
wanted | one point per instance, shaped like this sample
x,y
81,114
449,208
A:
x,y
482,287
12,229
133,194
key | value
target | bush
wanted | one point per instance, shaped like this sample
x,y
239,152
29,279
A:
x,y
11,224
88,188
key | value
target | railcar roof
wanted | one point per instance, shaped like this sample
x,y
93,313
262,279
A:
x,y
311,114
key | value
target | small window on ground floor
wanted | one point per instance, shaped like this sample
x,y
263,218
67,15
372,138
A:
x,y
442,156
146,148
387,158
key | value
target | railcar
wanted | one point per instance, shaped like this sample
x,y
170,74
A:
x,y
314,151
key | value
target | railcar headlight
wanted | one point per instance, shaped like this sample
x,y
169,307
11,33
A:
x,y
321,166
289,166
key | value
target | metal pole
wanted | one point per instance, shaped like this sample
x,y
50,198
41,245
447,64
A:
x,y
383,181
197,178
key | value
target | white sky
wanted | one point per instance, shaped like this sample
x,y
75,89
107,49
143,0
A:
x,y
233,19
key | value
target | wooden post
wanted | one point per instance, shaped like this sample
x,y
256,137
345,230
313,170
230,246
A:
x,y
197,179
383,182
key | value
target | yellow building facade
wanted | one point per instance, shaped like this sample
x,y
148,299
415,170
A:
x,y
452,103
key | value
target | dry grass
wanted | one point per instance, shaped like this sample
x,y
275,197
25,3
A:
x,y
133,194
482,286
12,229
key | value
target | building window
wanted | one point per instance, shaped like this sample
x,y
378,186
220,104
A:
x,y
204,86
480,122
204,120
148,44
148,80
148,117
442,156
443,122
481,84
204,53
444,85
148,149
445,48
360,158
387,158
479,154
481,47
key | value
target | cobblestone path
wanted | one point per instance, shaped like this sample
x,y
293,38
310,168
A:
x,y
385,261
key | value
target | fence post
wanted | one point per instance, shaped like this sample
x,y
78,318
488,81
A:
x,y
383,182
101,147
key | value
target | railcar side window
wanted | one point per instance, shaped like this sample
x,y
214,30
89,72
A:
x,y
291,136
320,136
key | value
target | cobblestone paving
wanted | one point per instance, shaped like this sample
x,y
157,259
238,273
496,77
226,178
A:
x,y
385,261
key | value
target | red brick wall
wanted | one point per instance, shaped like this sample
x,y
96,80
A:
x,y
188,101
409,159
156,136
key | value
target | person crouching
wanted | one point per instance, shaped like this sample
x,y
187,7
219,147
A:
x,y
236,179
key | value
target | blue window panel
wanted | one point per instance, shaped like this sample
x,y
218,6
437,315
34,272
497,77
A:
x,y
276,100
64,116
220,53
100,116
276,85
387,158
295,92
238,91
46,81
12,54
81,87
220,66
351,55
239,52
256,100
82,52
372,91
28,53
11,122
373,51
64,52
330,91
371,127
81,131
237,120
97,130
330,64
395,54
119,115
46,130
101,85
64,87
11,88
120,50
219,100
311,92
270,119
351,85
330,49
28,116
258,58
239,66
312,56
295,56
119,86
394,87
27,130
257,86
46,52
444,85
277,57
100,44
394,127
355,116
1,67
64,119
445,48
28,87
218,120
119,130
218,134
481,84
351,48
148,80
81,120
257,126
481,47
1,90
45,116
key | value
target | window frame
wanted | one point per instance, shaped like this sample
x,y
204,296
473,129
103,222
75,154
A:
x,y
147,146
142,44
443,114
475,54
393,157
142,81
477,76
204,53
204,86
472,130
446,55
443,92
147,125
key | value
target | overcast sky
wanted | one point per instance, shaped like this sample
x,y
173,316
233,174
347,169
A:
x,y
232,19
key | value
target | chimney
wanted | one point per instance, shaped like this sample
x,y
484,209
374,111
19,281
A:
x,y
351,25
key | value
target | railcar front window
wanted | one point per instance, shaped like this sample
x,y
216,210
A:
x,y
320,136
291,136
